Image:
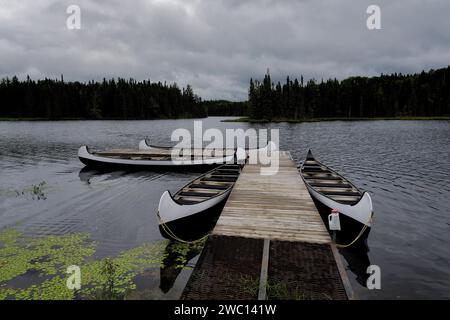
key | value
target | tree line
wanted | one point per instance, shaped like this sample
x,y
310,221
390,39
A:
x,y
425,94
395,95
109,99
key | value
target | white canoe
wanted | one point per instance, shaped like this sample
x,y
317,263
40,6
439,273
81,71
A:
x,y
145,146
335,192
200,195
140,159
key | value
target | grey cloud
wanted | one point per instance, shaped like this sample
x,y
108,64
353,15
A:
x,y
216,46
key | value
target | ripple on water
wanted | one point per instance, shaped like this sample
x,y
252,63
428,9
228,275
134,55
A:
x,y
403,164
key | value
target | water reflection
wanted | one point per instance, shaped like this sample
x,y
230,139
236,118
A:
x,y
357,258
403,164
354,252
87,174
177,256
187,238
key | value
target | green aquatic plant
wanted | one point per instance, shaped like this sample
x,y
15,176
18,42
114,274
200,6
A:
x,y
178,254
46,256
50,289
109,271
113,278
46,259
37,192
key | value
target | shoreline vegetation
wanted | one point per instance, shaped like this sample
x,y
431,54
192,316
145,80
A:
x,y
84,119
421,96
56,99
250,120
426,94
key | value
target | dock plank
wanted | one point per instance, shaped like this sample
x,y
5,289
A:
x,y
269,243
276,207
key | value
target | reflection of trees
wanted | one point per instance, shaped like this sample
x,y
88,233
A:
x,y
176,257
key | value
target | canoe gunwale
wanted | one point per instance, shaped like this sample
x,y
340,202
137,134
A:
x,y
361,210
84,153
171,209
144,145
332,171
198,179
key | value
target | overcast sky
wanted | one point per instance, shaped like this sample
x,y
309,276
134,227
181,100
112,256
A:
x,y
217,45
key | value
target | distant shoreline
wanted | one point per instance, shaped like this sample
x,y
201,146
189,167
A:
x,y
38,119
249,120
12,119
241,119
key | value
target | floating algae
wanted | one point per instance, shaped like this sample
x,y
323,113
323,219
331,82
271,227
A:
x,y
37,192
34,192
176,258
46,261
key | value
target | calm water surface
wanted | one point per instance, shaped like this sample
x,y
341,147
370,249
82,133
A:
x,y
403,164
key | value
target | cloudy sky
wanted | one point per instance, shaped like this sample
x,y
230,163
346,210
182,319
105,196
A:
x,y
217,45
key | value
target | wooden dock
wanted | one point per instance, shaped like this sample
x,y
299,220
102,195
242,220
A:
x,y
269,243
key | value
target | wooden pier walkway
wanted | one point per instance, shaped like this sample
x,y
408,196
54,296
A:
x,y
269,243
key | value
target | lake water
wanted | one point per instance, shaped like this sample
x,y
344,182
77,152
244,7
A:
x,y
405,165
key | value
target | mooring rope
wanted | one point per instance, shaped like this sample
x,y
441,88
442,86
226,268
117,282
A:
x,y
364,228
171,234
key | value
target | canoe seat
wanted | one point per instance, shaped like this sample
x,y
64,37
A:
x,y
220,179
346,200
226,173
237,169
315,166
331,185
208,186
312,165
322,178
197,194
228,166
350,202
334,182
184,201
342,193
318,169
230,176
